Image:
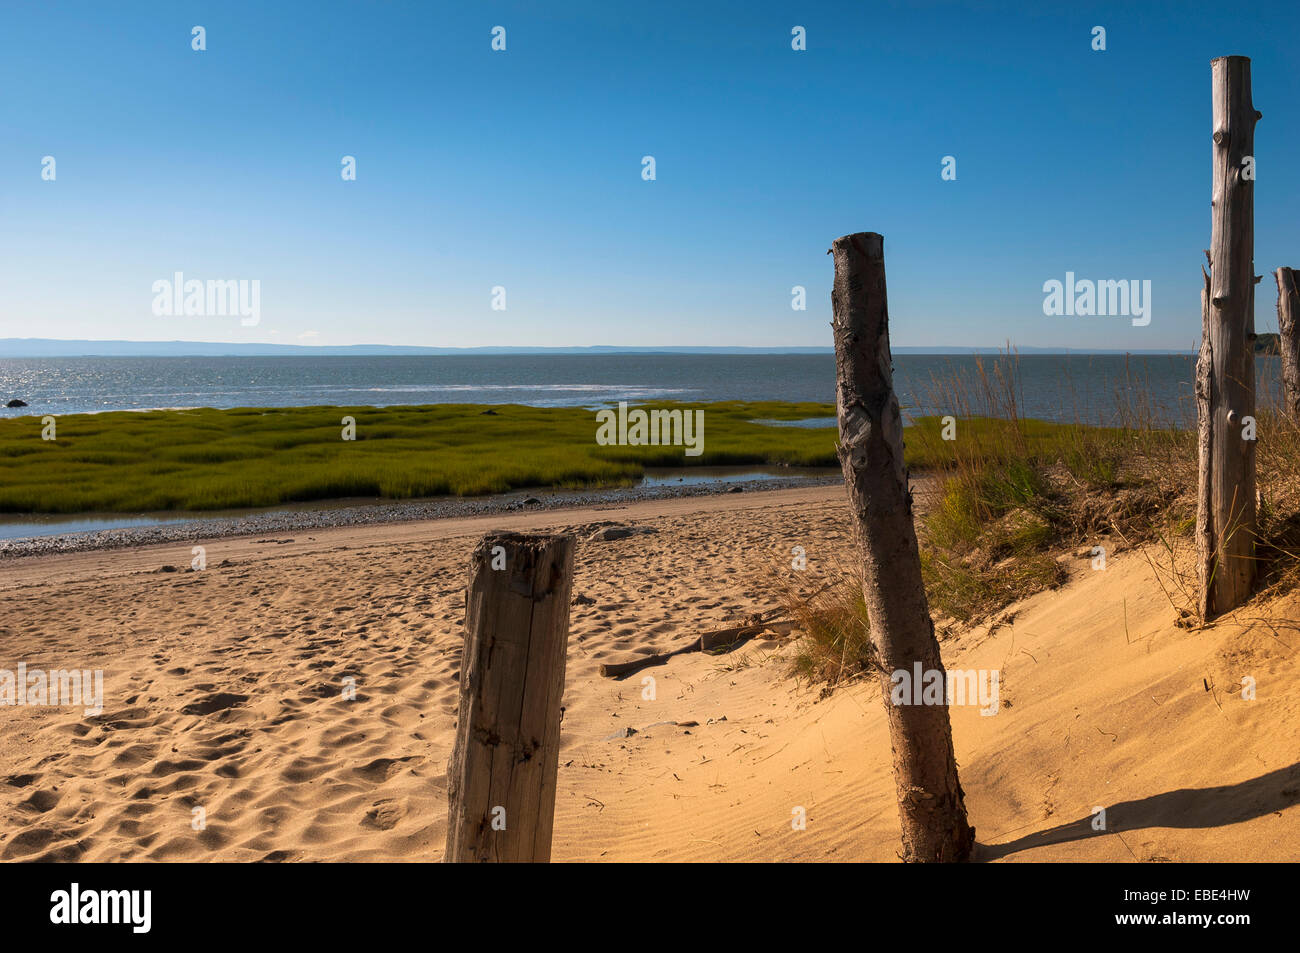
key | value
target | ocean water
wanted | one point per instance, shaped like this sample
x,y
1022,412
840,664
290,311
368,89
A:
x,y
1088,388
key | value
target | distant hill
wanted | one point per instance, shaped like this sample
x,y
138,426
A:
x,y
1268,343
50,347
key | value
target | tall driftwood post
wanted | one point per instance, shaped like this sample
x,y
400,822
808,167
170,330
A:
x,y
931,806
1225,372
1288,326
502,772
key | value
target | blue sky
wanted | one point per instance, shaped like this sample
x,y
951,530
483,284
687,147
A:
x,y
522,168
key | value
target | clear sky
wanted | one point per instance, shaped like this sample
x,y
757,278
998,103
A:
x,y
522,168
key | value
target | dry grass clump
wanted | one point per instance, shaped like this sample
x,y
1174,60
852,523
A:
x,y
836,644
1012,493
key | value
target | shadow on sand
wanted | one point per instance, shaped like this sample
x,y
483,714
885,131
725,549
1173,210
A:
x,y
1186,808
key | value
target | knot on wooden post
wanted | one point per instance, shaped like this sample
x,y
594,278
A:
x,y
855,434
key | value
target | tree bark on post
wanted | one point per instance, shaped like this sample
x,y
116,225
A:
x,y
502,772
931,806
1225,380
1288,327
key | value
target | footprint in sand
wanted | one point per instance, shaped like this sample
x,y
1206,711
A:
x,y
218,701
40,801
381,769
383,816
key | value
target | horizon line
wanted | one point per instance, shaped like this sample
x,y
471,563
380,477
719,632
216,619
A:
x,y
67,347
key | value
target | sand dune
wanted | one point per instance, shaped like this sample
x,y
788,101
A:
x,y
225,690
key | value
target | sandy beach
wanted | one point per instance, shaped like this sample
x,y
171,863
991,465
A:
x,y
224,690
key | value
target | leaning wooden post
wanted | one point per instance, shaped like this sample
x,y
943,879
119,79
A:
x,y
501,776
1288,327
1225,375
931,807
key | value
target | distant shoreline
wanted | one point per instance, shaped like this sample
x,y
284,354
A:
x,y
21,348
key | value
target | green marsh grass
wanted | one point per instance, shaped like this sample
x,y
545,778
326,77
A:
x,y
205,459
209,459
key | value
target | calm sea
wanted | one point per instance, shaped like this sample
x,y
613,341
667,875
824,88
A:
x,y
1090,388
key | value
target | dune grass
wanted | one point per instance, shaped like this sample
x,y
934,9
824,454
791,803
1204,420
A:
x,y
1007,498
249,457
993,513
1002,497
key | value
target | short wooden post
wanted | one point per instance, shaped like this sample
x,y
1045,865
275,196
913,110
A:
x,y
1225,374
931,806
1288,327
502,772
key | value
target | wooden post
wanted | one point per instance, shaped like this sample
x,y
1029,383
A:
x,y
1288,327
1225,375
501,776
931,806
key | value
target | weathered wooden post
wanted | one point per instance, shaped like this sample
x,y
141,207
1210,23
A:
x,y
1288,327
502,772
931,806
1225,371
